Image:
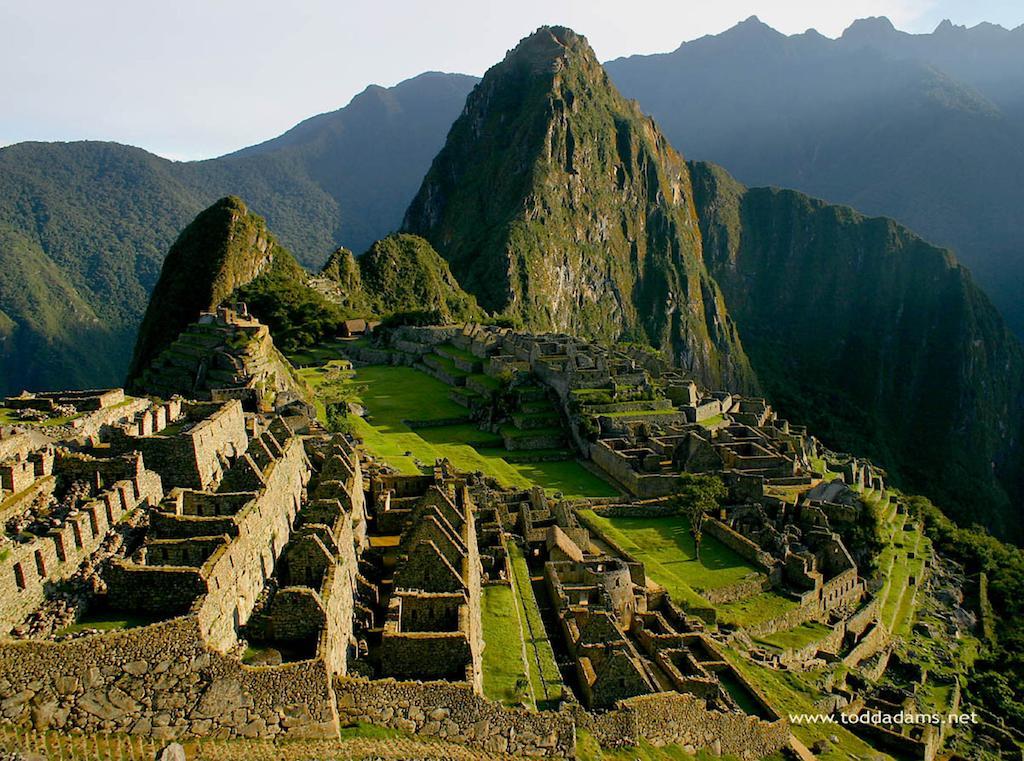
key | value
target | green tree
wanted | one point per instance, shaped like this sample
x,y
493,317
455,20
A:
x,y
698,495
337,392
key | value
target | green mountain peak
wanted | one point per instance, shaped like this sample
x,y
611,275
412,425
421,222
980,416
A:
x,y
558,204
224,248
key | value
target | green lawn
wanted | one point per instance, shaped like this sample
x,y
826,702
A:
x,y
395,393
505,677
545,679
798,637
111,620
392,394
897,594
369,732
665,546
755,610
713,421
10,417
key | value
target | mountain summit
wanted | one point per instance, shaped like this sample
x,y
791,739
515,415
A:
x,y
559,204
225,247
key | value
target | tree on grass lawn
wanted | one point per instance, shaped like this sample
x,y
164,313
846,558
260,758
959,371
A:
x,y
337,391
698,495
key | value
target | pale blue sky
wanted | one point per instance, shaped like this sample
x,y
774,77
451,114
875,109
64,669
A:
x,y
198,78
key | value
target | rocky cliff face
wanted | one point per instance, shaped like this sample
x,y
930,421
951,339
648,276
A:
x,y
559,204
879,341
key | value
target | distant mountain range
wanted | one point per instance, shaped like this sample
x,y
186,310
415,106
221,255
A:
x,y
557,205
84,227
927,129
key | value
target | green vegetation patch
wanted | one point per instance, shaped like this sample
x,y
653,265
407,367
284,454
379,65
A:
x,y
505,671
755,610
112,620
545,679
790,692
394,394
797,637
665,546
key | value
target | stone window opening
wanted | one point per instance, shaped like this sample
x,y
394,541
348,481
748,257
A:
x,y
40,563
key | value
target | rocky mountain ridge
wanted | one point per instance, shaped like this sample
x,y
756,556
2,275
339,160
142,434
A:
x,y
561,206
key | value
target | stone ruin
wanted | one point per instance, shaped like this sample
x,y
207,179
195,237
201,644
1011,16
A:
x,y
285,583
225,354
280,582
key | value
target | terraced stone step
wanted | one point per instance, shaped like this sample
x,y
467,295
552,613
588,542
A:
x,y
482,384
437,362
646,405
660,416
538,438
451,378
461,359
531,394
467,397
529,421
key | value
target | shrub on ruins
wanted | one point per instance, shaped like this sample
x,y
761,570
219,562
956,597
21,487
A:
x,y
864,536
505,321
415,317
699,494
297,315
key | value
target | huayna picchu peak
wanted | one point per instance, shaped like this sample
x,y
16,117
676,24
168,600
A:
x,y
561,206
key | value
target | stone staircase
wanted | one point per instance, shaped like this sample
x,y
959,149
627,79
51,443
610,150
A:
x,y
536,424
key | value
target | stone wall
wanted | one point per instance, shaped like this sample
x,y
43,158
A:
x,y
29,568
193,458
96,424
796,658
643,485
684,719
237,578
160,681
741,590
739,544
671,717
224,589
454,712
873,641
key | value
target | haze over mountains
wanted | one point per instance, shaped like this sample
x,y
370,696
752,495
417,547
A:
x,y
923,128
927,129
85,226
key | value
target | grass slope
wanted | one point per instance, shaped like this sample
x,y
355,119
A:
x,y
665,546
393,394
505,670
